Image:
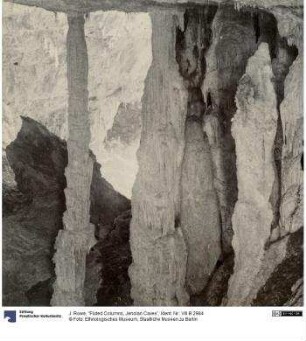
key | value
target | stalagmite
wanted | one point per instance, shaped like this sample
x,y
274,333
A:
x,y
158,247
200,210
73,243
254,129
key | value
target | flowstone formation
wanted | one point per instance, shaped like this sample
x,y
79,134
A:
x,y
216,214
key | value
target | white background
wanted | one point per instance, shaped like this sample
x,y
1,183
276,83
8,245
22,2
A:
x,y
230,324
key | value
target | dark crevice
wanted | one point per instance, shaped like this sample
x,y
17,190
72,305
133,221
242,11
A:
x,y
267,30
256,26
216,289
115,256
277,153
41,293
209,100
192,66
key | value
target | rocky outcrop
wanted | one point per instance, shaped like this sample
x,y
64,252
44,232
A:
x,y
34,204
158,247
254,130
32,215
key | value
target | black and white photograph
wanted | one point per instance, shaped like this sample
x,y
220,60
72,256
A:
x,y
152,158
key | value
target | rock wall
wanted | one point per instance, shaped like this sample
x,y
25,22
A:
x,y
34,58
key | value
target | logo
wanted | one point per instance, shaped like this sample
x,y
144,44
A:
x,y
287,313
10,315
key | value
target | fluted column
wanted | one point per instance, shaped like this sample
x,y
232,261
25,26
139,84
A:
x,y
158,247
74,241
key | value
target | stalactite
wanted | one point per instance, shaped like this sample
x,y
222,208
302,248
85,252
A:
x,y
77,237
